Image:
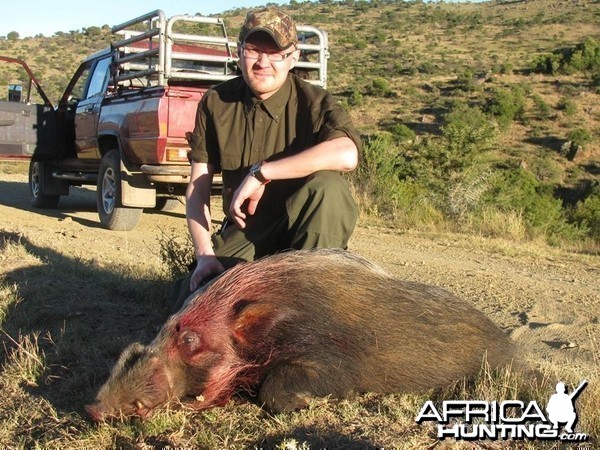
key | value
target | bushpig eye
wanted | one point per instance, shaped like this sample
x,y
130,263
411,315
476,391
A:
x,y
189,339
190,342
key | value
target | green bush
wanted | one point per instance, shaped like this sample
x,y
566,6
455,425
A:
x,y
519,191
506,68
584,57
402,133
507,105
568,106
356,98
380,87
467,133
437,163
587,213
544,110
466,81
376,179
579,137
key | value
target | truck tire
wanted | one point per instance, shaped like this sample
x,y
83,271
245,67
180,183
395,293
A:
x,y
113,215
37,172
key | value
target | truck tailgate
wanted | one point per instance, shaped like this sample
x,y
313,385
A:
x,y
183,103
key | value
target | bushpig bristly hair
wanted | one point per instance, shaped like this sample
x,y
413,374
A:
x,y
302,324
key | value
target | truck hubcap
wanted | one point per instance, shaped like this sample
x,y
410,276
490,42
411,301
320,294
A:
x,y
109,189
35,180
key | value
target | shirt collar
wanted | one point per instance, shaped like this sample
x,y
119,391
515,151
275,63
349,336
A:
x,y
274,105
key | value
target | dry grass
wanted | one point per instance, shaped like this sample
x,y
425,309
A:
x,y
65,322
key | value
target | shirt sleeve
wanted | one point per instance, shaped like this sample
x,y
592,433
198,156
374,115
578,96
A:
x,y
203,142
335,122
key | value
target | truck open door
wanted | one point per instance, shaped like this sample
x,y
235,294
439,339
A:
x,y
27,117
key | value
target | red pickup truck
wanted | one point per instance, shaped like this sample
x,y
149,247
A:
x,y
122,120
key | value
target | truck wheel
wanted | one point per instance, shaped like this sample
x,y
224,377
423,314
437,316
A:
x,y
113,214
36,181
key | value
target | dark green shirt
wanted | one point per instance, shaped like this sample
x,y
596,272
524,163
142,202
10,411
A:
x,y
234,129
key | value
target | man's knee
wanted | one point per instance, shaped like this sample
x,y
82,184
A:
x,y
324,209
327,182
329,192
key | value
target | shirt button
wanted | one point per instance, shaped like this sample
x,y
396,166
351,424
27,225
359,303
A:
x,y
259,120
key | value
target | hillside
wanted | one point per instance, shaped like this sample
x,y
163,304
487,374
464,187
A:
x,y
403,67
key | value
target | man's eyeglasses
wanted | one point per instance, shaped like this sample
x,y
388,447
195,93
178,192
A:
x,y
253,53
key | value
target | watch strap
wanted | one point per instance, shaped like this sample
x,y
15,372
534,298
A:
x,y
256,172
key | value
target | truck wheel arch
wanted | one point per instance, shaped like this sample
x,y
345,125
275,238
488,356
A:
x,y
136,190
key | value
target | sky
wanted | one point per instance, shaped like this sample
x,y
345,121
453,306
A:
x,y
32,17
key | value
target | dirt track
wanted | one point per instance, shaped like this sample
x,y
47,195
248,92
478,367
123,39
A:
x,y
547,299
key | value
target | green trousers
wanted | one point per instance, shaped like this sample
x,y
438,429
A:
x,y
316,212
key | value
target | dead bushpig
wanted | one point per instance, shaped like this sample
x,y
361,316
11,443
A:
x,y
302,324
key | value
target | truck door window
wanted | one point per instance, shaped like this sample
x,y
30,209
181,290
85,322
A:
x,y
99,78
78,91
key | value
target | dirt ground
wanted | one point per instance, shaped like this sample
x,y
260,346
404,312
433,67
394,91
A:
x,y
547,299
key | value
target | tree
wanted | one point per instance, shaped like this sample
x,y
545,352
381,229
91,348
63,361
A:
x,y
13,36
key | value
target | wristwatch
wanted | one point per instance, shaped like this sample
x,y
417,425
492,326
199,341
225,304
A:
x,y
256,172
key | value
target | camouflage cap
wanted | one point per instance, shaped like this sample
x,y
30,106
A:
x,y
276,23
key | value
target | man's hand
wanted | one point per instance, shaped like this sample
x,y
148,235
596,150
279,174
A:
x,y
207,267
250,190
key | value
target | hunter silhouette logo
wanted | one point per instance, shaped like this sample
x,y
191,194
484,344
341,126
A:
x,y
471,420
561,406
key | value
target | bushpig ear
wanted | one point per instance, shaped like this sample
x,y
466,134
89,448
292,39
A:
x,y
255,321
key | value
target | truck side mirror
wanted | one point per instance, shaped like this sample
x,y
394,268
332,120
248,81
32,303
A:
x,y
15,93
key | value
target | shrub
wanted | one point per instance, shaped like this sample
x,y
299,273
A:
x,y
467,133
176,252
547,64
427,67
518,191
587,213
356,98
507,105
466,193
380,88
543,109
383,189
584,57
402,133
506,68
547,170
579,137
466,81
568,106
